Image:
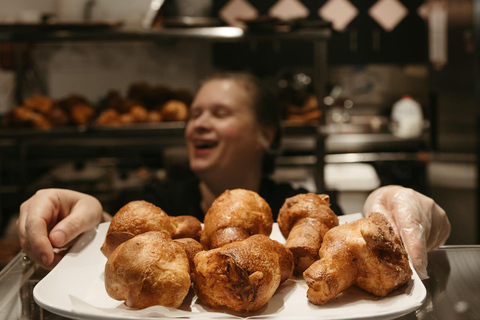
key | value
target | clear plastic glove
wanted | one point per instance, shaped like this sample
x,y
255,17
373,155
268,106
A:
x,y
420,222
51,219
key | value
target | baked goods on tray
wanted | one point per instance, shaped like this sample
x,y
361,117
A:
x,y
236,215
153,258
138,217
303,220
242,275
149,269
366,253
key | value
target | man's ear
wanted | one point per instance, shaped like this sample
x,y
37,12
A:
x,y
266,136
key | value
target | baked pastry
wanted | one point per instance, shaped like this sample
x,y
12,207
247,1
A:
x,y
191,247
108,117
138,217
79,109
174,110
154,116
81,113
366,253
127,118
25,117
139,113
58,117
303,220
309,116
235,215
299,106
149,269
135,218
39,103
71,100
242,275
186,227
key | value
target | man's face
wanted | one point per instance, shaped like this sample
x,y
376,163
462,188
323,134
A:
x,y
222,132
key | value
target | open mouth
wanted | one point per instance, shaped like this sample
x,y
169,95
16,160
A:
x,y
205,145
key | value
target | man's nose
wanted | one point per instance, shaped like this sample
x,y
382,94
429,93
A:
x,y
203,121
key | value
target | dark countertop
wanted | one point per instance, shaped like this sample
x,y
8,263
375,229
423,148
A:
x,y
453,289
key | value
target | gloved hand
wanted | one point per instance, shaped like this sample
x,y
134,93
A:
x,y
51,219
420,222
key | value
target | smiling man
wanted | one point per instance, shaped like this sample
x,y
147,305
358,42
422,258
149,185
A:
x,y
226,142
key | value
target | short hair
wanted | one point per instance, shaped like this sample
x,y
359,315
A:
x,y
265,107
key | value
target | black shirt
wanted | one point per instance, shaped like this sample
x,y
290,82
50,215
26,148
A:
x,y
183,197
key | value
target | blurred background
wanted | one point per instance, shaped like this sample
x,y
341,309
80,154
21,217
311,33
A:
x,y
94,94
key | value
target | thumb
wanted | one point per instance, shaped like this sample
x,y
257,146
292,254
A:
x,y
65,231
83,217
415,246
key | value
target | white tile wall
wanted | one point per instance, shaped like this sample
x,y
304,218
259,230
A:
x,y
15,9
130,12
94,69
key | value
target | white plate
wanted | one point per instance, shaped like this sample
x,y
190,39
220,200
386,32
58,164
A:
x,y
75,289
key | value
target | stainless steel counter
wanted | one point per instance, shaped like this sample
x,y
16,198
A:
x,y
453,289
454,284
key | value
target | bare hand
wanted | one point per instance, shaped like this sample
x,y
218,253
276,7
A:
x,y
421,223
51,219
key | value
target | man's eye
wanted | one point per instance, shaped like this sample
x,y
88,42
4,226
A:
x,y
195,113
222,113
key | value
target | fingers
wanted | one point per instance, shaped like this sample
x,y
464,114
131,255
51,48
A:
x,y
411,216
432,219
440,230
415,247
66,213
84,215
33,224
379,201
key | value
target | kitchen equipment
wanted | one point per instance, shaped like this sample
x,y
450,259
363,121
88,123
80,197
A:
x,y
407,118
190,13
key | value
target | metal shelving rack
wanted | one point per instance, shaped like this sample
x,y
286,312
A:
x,y
19,143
